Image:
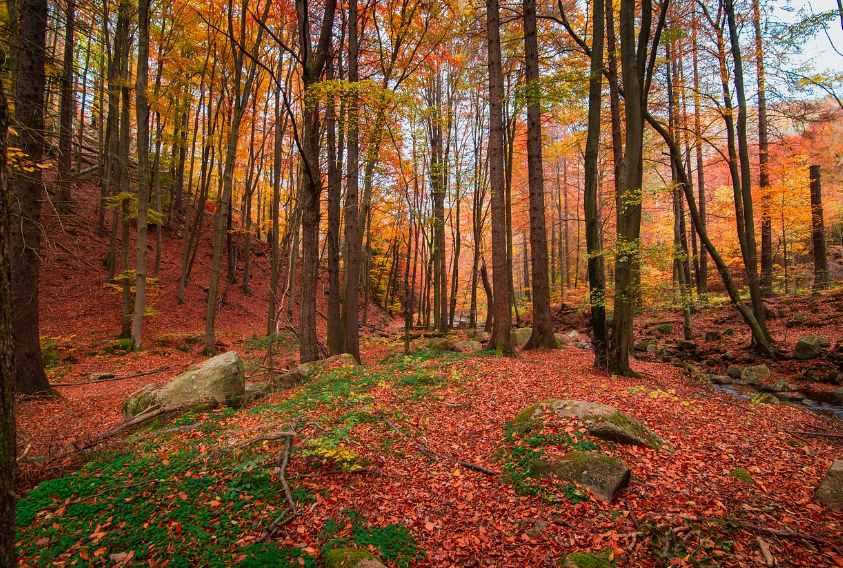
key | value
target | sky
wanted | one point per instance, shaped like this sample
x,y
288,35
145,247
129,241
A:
x,y
820,48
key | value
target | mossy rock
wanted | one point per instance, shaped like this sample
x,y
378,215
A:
x,y
755,372
588,560
393,357
309,369
603,421
469,346
480,337
605,475
743,475
138,401
351,558
442,344
765,398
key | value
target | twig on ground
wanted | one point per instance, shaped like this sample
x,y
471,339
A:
x,y
792,534
765,551
149,414
193,426
428,451
290,512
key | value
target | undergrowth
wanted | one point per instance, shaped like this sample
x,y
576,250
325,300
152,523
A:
x,y
394,543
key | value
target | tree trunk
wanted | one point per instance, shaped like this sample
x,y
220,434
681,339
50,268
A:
x,y
818,231
596,275
143,169
67,110
763,157
501,340
125,196
26,188
333,236
8,446
351,295
702,277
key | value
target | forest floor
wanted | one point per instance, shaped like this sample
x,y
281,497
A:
x,y
372,457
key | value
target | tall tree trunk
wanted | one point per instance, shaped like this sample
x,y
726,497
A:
x,y
501,340
277,164
702,277
763,157
596,275
67,110
333,236
313,62
26,187
349,317
818,231
8,446
142,106
125,196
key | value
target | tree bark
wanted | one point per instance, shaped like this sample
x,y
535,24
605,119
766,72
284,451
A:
x,y
763,157
501,340
67,110
818,231
26,191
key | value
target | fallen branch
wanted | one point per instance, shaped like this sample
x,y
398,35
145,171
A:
x,y
792,534
821,434
120,378
428,451
193,426
150,413
765,551
290,512
264,438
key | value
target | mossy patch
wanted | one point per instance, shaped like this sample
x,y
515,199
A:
x,y
588,560
765,398
348,557
743,475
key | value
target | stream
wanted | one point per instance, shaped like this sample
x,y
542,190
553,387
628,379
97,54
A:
x,y
819,400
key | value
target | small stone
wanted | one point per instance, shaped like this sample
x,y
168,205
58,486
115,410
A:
x,y
755,372
686,345
798,319
537,529
789,396
734,371
838,393
712,336
809,346
808,402
830,491
469,346
765,398
778,386
100,376
720,379
351,558
727,356
442,344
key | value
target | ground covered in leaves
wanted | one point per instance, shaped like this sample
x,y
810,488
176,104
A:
x,y
374,464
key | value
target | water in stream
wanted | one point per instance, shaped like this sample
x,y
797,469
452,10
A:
x,y
820,400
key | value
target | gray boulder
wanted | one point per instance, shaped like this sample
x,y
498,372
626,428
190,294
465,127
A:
x,y
480,337
809,346
755,372
469,346
712,335
603,421
798,319
830,491
734,371
778,386
720,379
442,344
606,476
219,379
521,336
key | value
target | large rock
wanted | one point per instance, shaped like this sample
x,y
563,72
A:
x,y
830,491
798,319
604,475
521,336
809,346
755,372
351,558
442,344
469,346
603,421
219,379
838,393
480,336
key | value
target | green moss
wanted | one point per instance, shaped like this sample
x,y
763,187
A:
x,y
743,475
795,443
347,557
588,560
765,398
526,415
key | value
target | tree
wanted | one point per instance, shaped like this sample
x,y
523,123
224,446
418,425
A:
x,y
8,448
351,292
542,334
67,110
501,341
313,63
818,231
26,190
142,107
637,65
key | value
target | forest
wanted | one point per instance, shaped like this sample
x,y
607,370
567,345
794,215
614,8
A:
x,y
403,283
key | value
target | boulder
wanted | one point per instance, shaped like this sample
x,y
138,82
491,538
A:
x,y
219,379
838,393
351,558
755,372
765,398
734,371
830,491
778,386
727,356
809,346
720,379
603,421
480,337
606,476
644,344
100,376
789,396
469,346
582,345
442,344
712,336
686,345
560,340
521,336
798,319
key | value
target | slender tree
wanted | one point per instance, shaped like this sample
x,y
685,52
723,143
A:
x,y
501,341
